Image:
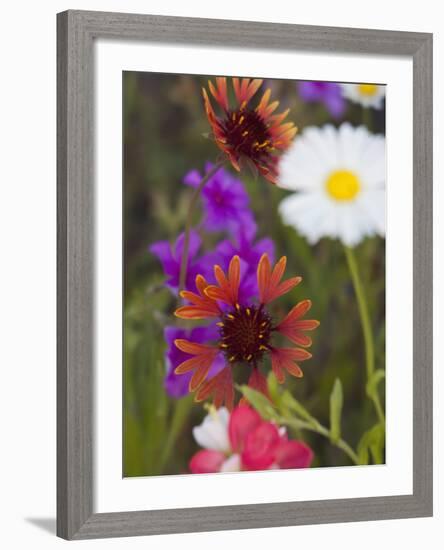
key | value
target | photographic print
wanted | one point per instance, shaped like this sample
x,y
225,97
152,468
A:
x,y
254,274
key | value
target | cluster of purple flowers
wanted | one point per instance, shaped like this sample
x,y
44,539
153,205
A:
x,y
328,93
226,210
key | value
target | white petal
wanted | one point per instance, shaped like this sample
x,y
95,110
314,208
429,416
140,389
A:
x,y
213,432
373,202
317,154
372,165
323,142
304,212
350,227
232,464
352,92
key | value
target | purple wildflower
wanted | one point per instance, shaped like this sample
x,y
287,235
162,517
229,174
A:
x,y
225,200
328,93
176,385
170,257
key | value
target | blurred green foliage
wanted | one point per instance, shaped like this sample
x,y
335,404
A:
x,y
164,125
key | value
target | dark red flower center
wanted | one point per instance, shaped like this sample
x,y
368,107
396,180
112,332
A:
x,y
246,132
245,333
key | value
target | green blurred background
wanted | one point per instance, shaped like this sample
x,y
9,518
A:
x,y
164,126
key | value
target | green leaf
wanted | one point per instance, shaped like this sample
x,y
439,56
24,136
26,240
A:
x,y
259,402
372,444
273,388
336,400
293,404
373,382
182,410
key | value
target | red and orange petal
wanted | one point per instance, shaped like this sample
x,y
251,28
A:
x,y
219,92
245,89
202,307
228,289
269,282
268,136
200,363
265,108
283,359
220,388
293,327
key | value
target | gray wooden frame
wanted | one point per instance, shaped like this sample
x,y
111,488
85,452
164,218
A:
x,y
76,32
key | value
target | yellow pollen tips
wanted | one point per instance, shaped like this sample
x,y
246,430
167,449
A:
x,y
245,133
220,324
248,311
261,335
229,316
263,348
367,89
248,358
264,144
263,323
232,358
242,118
243,105
237,307
343,185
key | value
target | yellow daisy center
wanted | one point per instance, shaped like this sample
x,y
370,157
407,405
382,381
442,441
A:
x,y
343,185
367,89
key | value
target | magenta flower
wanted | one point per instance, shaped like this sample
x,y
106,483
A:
x,y
244,441
328,93
225,200
170,257
177,385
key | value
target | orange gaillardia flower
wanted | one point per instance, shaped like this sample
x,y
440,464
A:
x,y
246,331
254,135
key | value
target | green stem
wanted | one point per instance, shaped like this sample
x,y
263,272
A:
x,y
367,118
366,327
321,430
189,221
181,412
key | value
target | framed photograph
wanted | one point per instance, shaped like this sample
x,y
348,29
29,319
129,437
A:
x,y
244,275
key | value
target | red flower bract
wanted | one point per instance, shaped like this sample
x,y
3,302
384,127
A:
x,y
246,331
244,133
255,444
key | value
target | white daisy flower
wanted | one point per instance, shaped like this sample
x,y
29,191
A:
x,y
368,95
339,176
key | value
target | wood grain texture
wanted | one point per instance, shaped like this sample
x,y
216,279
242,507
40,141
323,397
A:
x,y
75,276
77,31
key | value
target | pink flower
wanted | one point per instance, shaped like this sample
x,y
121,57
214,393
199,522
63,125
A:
x,y
244,441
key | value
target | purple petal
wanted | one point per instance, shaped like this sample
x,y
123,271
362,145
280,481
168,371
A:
x,y
162,249
246,227
192,178
176,385
263,246
193,247
310,91
328,93
335,105
225,201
